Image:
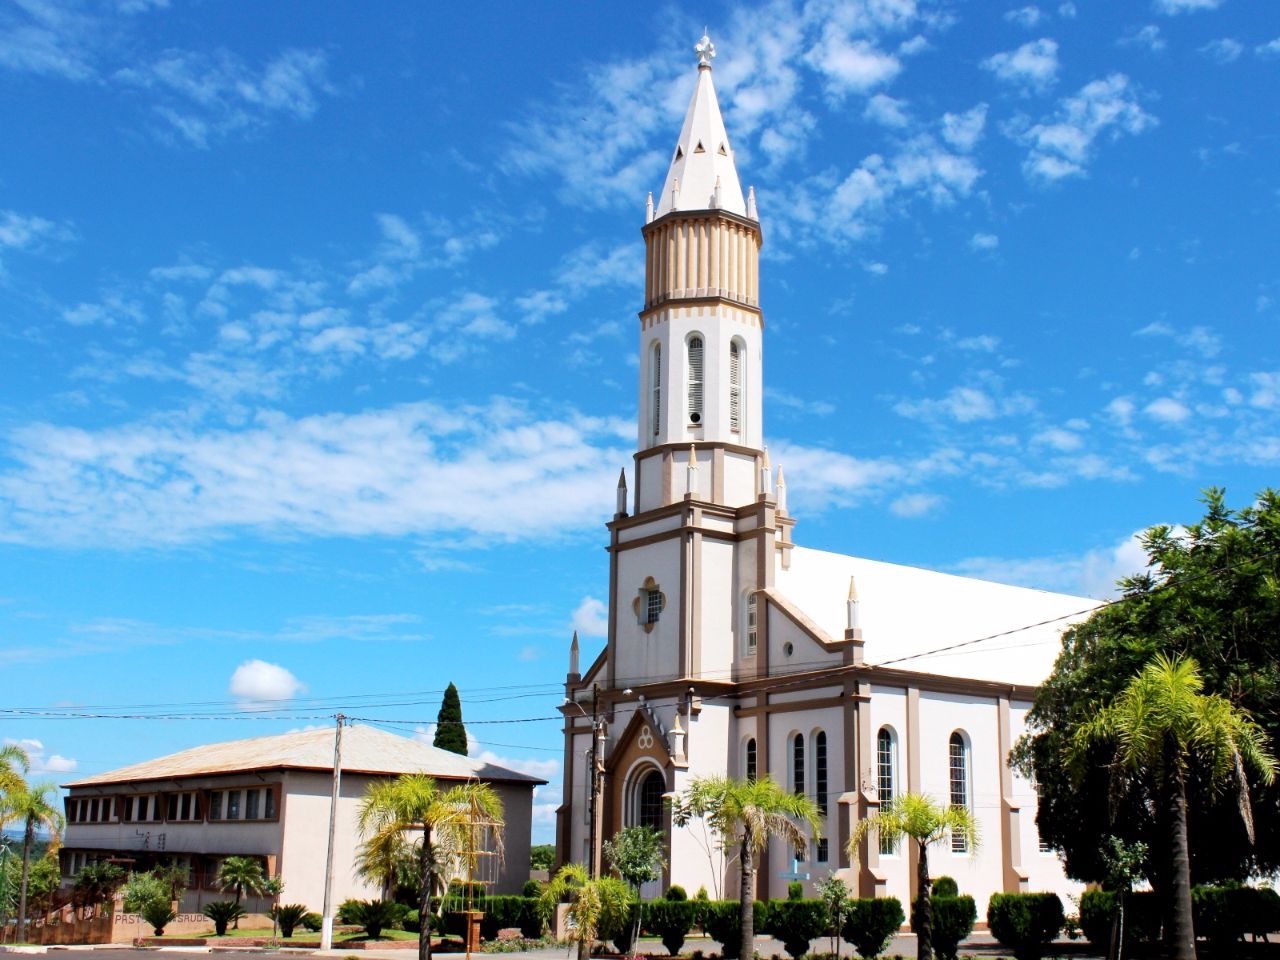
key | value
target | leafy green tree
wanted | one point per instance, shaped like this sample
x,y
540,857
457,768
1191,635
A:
x,y
144,888
1160,724
97,883
1210,591
450,735
414,804
272,887
595,904
542,856
241,875
35,806
835,899
636,855
744,814
922,820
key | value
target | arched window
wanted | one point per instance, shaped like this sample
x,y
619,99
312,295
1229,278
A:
x,y
820,788
655,388
749,625
797,764
886,767
751,758
649,800
695,379
959,787
735,386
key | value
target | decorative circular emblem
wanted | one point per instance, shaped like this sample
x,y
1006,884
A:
x,y
645,740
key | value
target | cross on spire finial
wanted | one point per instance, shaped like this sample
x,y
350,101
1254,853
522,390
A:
x,y
706,50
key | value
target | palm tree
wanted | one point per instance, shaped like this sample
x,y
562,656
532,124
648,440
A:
x,y
35,805
919,818
1159,724
241,874
412,803
745,814
594,903
14,764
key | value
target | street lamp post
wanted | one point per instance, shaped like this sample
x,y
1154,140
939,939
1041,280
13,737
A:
x,y
597,732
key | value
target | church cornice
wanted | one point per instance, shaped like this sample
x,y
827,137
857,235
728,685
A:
x,y
666,301
712,213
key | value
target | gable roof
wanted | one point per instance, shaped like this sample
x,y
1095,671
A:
x,y
365,749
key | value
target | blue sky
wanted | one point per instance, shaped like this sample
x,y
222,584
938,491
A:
x,y
317,324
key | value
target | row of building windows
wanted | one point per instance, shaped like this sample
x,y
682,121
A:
x,y
187,806
694,387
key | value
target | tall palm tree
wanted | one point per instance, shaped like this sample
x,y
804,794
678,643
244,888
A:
x,y
36,806
1160,725
745,814
243,875
14,765
594,903
413,803
921,819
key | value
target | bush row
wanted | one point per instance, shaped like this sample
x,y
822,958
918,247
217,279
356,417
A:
x,y
1221,914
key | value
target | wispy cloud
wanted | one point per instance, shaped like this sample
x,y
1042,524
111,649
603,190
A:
x,y
1033,66
1223,50
1175,7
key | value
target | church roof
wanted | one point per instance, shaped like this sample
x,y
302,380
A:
x,y
702,156
905,612
364,750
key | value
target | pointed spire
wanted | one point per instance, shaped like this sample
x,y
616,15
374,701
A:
x,y
648,208
751,204
699,170
854,614
691,473
621,508
782,491
765,477
853,589
574,656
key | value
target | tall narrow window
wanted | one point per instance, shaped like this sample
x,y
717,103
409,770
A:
x,y
751,758
751,623
884,780
797,764
649,801
959,788
695,379
820,788
735,387
655,378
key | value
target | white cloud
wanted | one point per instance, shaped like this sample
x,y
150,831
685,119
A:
x,y
1033,65
258,683
1091,574
591,618
962,404
886,111
1167,410
1175,7
964,130
1269,49
851,65
915,505
1059,439
984,241
25,232
1063,145
789,401
1223,50
1147,36
411,469
1026,17
876,267
982,343
43,763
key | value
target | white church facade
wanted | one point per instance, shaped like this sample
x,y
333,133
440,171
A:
x,y
734,650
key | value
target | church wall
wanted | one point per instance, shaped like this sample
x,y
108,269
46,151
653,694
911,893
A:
x,y
1044,870
716,609
979,875
739,478
709,731
654,654
889,708
805,653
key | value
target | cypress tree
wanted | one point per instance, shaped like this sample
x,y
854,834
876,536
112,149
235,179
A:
x,y
451,735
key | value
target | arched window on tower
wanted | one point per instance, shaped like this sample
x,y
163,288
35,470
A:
x,y
655,389
959,776
735,386
797,764
886,768
695,379
649,800
751,758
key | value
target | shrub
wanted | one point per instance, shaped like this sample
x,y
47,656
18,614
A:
x,y
290,916
1098,911
503,912
1026,923
159,913
671,919
795,890
953,919
871,924
223,912
676,892
795,923
144,888
376,915
946,887
531,888
621,929
348,910
720,920
1224,914
313,922
410,922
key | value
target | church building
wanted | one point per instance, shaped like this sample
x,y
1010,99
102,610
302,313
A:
x,y
734,650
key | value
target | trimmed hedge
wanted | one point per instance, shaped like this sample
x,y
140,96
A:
x,y
501,913
945,886
953,920
720,921
871,924
621,930
1141,918
795,923
1026,923
671,919
1223,915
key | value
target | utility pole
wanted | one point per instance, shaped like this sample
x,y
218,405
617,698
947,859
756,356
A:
x,y
593,865
326,929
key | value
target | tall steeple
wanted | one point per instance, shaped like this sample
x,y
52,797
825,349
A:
x,y
701,326
702,174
